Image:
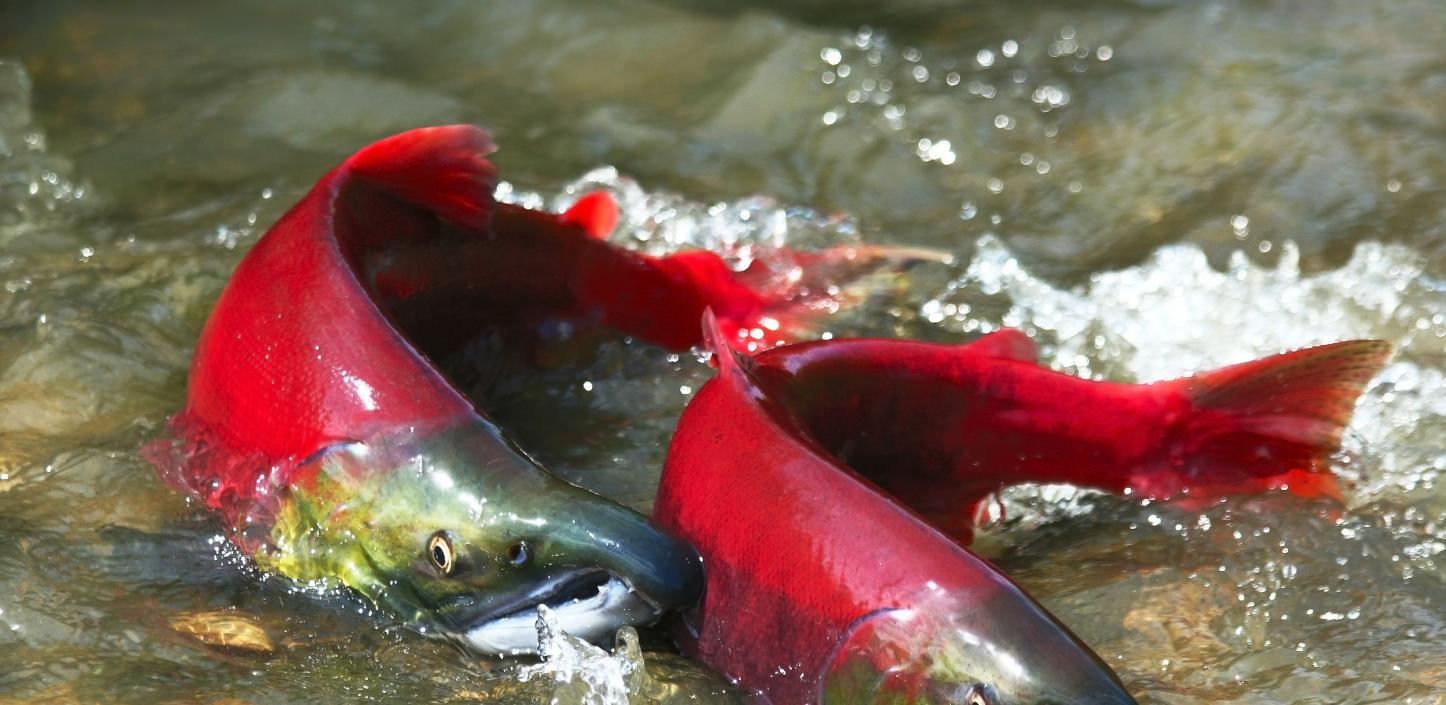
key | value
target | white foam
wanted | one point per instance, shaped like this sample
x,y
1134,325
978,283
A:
x,y
660,222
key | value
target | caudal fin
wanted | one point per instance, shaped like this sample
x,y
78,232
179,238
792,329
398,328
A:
x,y
1269,423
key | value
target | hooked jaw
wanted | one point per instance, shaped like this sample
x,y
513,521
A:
x,y
463,536
1031,658
994,646
590,606
607,567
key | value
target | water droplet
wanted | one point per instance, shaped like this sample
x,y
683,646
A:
x,y
1240,224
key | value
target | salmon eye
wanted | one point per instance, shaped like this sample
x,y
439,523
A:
x,y
441,553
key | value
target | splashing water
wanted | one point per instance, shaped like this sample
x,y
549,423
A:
x,y
34,182
660,223
583,674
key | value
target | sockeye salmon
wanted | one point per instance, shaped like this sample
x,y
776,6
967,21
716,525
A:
x,y
818,482
318,426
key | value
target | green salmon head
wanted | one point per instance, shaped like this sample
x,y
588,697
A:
x,y
462,535
990,646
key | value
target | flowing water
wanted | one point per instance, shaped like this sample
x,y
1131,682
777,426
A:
x,y
1150,188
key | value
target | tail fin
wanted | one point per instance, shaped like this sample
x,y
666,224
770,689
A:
x,y
440,169
1271,423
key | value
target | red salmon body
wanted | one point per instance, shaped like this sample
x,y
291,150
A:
x,y
329,329
814,480
320,425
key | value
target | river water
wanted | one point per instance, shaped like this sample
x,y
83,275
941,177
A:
x,y
1151,188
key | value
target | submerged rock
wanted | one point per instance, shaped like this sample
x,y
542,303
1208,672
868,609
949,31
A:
x,y
224,630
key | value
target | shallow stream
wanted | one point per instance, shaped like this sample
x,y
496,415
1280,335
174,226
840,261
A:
x,y
1151,188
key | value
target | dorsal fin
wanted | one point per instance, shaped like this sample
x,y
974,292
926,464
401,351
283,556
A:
x,y
732,363
440,169
725,357
596,213
1007,343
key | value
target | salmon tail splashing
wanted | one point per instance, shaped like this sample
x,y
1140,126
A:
x,y
320,426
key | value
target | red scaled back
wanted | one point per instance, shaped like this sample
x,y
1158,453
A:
x,y
398,255
295,355
797,547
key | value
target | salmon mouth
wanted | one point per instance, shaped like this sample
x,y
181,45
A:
x,y
591,605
